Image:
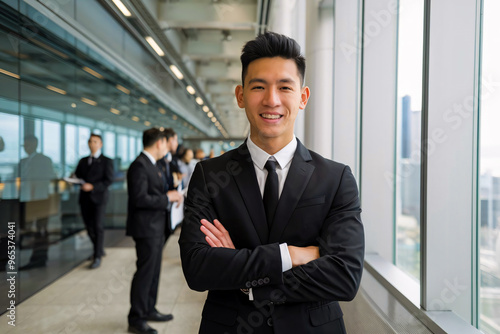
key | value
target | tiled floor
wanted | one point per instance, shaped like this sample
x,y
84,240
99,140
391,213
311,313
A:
x,y
97,301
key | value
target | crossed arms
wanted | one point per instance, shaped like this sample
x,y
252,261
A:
x,y
329,270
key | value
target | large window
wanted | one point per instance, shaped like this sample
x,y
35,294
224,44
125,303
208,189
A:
x,y
489,184
409,96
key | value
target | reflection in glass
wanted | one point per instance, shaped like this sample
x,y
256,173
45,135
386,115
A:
x,y
489,181
409,93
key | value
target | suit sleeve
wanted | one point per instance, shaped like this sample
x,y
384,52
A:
x,y
337,273
138,183
207,268
78,171
107,178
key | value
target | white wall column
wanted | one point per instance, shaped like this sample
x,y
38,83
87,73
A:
x,y
448,238
319,55
378,117
347,83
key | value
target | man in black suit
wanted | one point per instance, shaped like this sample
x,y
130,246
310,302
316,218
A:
x,y
146,222
97,172
271,229
170,169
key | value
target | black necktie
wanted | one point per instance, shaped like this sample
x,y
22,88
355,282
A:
x,y
271,192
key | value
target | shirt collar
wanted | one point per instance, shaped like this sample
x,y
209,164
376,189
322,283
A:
x,y
150,157
283,156
96,155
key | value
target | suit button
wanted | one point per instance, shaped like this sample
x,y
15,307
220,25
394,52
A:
x,y
260,281
270,322
266,280
248,284
254,283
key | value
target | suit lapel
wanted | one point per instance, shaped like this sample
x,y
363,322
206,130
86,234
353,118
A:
x,y
249,190
296,181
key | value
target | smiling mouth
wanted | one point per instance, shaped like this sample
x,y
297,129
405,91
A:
x,y
270,116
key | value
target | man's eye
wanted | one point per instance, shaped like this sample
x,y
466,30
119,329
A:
x,y
257,87
286,88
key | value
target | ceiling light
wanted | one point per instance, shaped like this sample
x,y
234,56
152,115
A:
x,y
10,74
123,89
55,89
91,71
174,117
135,118
155,46
210,114
48,48
199,100
143,100
73,105
205,109
191,90
214,119
122,8
89,101
177,73
147,123
115,111
162,111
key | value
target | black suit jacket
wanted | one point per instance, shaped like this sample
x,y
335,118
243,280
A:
x,y
99,174
319,206
147,200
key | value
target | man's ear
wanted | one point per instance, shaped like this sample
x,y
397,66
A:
x,y
304,97
238,92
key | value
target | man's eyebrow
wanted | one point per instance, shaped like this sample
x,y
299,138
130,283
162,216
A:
x,y
260,80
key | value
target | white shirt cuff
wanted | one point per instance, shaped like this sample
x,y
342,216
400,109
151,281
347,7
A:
x,y
286,260
286,264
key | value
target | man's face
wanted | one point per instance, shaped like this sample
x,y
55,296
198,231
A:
x,y
162,146
95,144
272,96
173,143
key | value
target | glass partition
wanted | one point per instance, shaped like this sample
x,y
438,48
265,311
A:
x,y
489,179
409,96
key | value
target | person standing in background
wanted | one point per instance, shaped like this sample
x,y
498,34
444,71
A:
x,y
37,204
96,171
170,168
148,201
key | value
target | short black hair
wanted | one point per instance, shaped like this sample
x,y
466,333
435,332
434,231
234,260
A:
x,y
269,45
169,133
95,135
151,136
31,138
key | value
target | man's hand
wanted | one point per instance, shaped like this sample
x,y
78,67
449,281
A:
x,y
215,234
175,196
87,187
303,255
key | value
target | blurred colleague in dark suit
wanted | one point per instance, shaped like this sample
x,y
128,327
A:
x,y
96,171
148,201
170,168
37,205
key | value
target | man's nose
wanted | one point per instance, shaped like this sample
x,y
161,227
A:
x,y
272,98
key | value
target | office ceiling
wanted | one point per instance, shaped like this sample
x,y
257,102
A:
x,y
208,36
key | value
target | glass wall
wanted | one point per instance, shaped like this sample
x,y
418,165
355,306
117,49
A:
x,y
47,111
409,96
489,180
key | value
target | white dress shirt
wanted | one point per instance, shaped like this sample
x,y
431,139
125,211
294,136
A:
x,y
95,156
153,160
284,159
